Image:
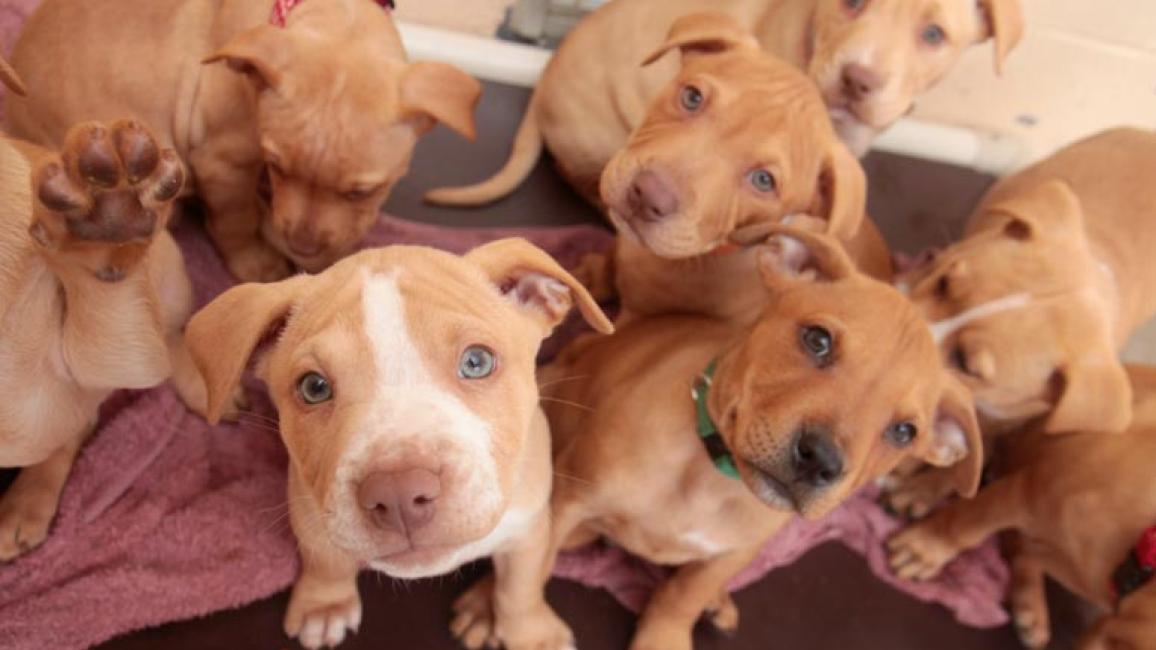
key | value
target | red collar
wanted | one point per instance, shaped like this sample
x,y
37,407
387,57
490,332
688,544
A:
x,y
1139,568
281,9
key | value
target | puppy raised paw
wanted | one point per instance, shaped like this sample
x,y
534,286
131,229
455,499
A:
x,y
920,552
321,618
99,202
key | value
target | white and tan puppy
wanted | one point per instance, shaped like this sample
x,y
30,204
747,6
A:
x,y
405,382
869,58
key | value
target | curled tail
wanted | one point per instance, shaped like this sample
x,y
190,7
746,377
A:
x,y
524,156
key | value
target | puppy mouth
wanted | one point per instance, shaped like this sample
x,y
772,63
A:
x,y
769,489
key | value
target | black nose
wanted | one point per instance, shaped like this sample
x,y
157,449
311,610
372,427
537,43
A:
x,y
816,459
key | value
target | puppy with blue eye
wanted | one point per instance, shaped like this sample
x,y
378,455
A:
x,y
691,441
405,382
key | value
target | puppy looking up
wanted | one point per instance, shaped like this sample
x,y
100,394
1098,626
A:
x,y
1083,504
869,58
404,379
93,296
1053,275
690,441
295,135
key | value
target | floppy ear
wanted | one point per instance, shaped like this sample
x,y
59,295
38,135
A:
x,y
842,192
1095,395
258,53
1040,209
537,283
223,335
1005,24
10,79
793,254
442,92
956,441
708,32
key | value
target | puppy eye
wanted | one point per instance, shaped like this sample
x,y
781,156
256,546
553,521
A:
x,y
854,5
959,360
818,343
477,362
314,388
901,434
691,99
358,195
933,35
762,180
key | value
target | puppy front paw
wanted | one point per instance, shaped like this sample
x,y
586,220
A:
x,y
475,624
473,616
258,262
920,552
26,514
916,496
724,614
100,201
320,618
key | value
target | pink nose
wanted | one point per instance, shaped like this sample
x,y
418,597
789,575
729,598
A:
x,y
400,501
859,81
652,197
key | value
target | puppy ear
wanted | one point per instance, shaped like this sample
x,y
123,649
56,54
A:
x,y
443,93
956,441
10,79
792,254
704,33
1095,395
1039,210
258,53
842,192
223,335
1005,24
537,283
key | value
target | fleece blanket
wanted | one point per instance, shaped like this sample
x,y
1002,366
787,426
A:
x,y
166,517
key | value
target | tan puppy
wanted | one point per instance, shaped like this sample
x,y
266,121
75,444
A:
x,y
870,58
404,378
1052,277
294,138
1080,502
836,383
94,295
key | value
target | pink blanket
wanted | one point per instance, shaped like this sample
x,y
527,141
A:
x,y
167,518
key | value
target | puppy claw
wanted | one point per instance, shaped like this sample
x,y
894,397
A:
x,y
25,519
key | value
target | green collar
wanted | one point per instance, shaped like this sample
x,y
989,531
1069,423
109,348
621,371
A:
x,y
707,429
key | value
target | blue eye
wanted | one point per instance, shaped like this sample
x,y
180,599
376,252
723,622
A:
x,y
314,388
762,180
902,434
933,35
691,99
854,5
477,362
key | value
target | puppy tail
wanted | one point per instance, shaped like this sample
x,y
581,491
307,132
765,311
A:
x,y
526,151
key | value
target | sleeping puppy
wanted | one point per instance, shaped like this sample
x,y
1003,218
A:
x,y
404,379
869,59
1050,280
1084,505
690,441
93,297
294,134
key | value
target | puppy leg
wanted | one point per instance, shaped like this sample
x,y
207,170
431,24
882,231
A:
x,y
235,214
669,618
920,551
1028,595
324,605
724,613
29,506
1132,627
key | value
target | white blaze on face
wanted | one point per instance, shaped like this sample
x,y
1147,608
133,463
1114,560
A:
x,y
410,410
941,330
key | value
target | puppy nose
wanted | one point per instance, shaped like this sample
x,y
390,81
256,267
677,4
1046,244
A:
x,y
652,197
400,501
860,81
305,242
816,459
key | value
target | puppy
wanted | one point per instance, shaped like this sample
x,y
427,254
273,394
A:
x,y
94,296
294,135
404,378
690,441
870,59
1081,503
